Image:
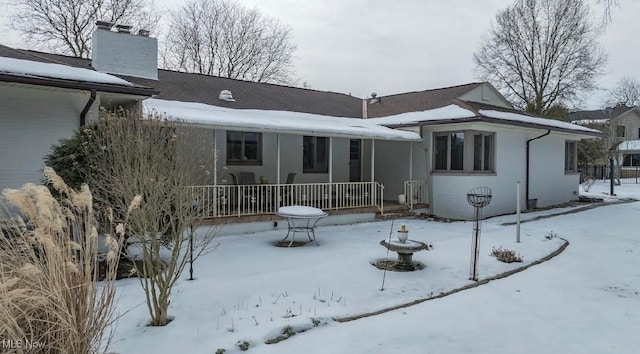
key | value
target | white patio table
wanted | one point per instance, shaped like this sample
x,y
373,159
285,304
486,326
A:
x,y
309,216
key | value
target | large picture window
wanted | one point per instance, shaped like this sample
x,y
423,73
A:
x,y
315,154
570,156
466,151
244,148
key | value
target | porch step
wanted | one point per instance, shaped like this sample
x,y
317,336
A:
x,y
395,215
394,210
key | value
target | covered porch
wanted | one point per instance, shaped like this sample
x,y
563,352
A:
x,y
263,160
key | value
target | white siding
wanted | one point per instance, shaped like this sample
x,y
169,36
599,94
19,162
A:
x,y
31,121
450,190
631,122
548,183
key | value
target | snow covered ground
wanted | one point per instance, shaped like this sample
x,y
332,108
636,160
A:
x,y
585,300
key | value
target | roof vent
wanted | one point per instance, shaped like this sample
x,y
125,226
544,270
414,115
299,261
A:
x,y
226,95
105,25
124,28
373,99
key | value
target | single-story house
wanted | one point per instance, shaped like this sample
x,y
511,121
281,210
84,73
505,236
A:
x,y
332,150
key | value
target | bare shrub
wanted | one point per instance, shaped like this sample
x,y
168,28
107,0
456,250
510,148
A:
x,y
505,255
587,183
50,300
550,235
159,159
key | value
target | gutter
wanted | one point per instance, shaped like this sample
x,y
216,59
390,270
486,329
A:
x,y
78,85
528,162
85,110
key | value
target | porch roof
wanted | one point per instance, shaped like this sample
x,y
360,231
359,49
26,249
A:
x,y
629,145
275,121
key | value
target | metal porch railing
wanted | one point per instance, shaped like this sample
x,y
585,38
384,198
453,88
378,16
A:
x,y
240,200
416,193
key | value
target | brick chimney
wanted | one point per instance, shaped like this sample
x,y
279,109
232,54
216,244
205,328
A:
x,y
124,53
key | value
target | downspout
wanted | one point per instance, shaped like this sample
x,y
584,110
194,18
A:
x,y
528,160
85,110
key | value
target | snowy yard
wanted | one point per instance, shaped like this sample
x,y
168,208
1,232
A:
x,y
585,300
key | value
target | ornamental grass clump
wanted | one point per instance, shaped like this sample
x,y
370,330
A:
x,y
50,300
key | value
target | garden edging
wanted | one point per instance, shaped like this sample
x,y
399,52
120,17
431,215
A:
x,y
453,291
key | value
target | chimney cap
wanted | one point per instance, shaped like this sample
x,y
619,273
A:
x,y
104,25
124,28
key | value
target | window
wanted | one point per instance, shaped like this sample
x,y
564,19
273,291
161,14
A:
x,y
482,152
244,148
466,151
570,153
631,160
315,154
620,131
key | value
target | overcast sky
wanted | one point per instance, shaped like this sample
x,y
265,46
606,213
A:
x,y
387,47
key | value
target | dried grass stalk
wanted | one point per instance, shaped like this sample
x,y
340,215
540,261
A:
x,y
50,300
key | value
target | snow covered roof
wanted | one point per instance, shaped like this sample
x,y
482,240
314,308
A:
x,y
36,69
629,145
590,121
415,118
274,121
543,122
456,114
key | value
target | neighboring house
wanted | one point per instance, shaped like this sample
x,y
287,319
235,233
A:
x,y
336,151
624,121
621,125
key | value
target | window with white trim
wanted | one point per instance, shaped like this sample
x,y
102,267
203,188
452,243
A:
x,y
244,148
570,156
466,151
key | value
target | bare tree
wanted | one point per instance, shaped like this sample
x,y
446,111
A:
x,y
65,26
157,159
607,8
220,37
626,92
541,52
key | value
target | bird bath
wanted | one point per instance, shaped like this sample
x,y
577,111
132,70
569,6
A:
x,y
405,252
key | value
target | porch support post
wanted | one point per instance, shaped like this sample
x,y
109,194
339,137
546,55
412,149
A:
x,y
216,210
278,163
373,160
277,204
215,157
410,197
411,161
331,172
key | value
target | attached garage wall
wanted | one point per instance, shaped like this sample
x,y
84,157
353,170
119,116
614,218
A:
x,y
32,119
